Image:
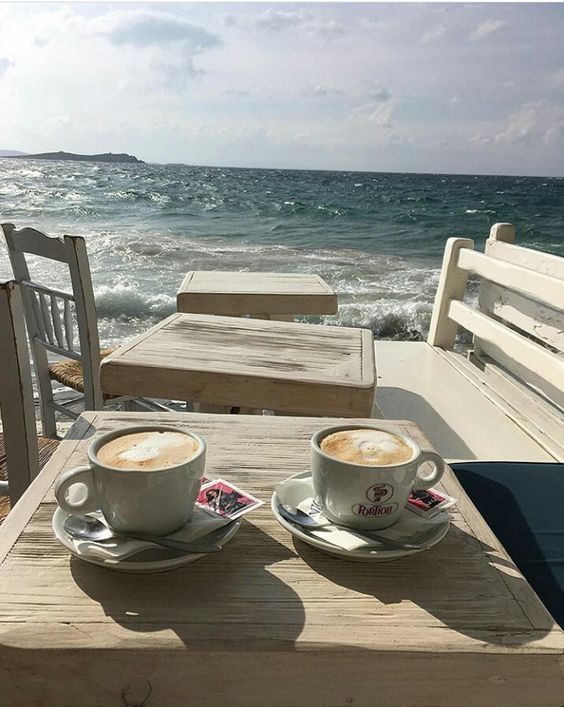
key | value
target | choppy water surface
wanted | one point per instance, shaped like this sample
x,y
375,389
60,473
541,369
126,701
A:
x,y
376,238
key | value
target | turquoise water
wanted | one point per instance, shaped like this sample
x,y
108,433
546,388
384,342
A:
x,y
377,238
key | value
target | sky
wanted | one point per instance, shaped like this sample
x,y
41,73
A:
x,y
398,87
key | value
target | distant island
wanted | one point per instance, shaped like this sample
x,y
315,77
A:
x,y
120,157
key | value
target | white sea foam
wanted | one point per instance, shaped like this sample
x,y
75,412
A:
x,y
128,300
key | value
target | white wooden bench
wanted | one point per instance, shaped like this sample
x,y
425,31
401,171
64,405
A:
x,y
504,398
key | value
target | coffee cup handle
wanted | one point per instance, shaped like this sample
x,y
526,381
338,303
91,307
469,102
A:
x,y
425,482
81,475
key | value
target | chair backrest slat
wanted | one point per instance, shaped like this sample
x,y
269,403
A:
x,y
33,242
534,318
16,394
56,319
46,314
509,252
532,284
69,335
515,352
40,331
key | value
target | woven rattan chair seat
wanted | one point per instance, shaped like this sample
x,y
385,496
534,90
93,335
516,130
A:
x,y
69,372
46,449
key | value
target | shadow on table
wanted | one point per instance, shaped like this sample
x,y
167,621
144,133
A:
x,y
229,595
450,581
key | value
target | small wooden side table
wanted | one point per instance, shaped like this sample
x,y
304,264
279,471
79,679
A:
x,y
265,295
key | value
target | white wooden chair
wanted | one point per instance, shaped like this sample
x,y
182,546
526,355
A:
x,y
59,322
22,453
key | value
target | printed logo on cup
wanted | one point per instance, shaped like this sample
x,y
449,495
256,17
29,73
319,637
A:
x,y
380,493
364,511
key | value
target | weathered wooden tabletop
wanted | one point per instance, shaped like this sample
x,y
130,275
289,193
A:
x,y
269,620
294,368
266,293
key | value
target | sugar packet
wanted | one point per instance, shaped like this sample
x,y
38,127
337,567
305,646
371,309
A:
x,y
222,498
429,502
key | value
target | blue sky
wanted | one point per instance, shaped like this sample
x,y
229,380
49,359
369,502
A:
x,y
464,88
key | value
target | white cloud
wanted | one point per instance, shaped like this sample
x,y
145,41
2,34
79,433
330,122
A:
x,y
173,42
434,35
554,136
486,28
282,19
228,20
142,29
323,90
237,92
378,93
535,125
305,21
521,125
378,24
325,30
378,113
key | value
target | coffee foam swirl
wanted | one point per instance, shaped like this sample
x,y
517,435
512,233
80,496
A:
x,y
367,446
147,451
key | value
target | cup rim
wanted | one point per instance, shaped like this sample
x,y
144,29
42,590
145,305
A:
x,y
109,436
326,431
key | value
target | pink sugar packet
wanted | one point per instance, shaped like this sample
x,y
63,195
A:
x,y
222,498
429,502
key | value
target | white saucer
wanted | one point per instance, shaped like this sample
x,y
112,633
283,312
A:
x,y
149,560
298,488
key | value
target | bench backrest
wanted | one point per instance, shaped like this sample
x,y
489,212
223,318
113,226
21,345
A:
x,y
519,321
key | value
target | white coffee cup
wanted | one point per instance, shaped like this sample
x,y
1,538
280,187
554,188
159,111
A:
x,y
158,501
367,496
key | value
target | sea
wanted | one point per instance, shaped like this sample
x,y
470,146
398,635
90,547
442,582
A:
x,y
376,238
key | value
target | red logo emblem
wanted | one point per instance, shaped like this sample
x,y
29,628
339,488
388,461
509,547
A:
x,y
379,493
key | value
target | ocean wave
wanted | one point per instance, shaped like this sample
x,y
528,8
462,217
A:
x,y
128,301
377,239
386,318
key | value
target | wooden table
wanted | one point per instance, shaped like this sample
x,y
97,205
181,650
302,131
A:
x,y
267,295
269,620
282,366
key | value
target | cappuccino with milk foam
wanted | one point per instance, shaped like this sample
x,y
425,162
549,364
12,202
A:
x,y
369,447
148,451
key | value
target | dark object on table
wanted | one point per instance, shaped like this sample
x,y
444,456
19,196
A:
x,y
522,503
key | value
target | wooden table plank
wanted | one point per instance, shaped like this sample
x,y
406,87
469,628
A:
x,y
239,293
269,620
287,367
